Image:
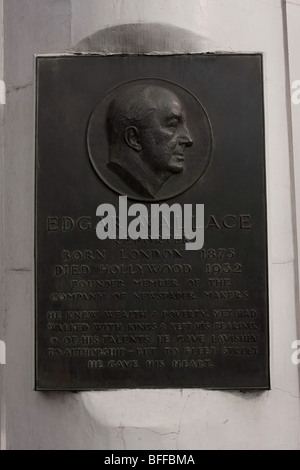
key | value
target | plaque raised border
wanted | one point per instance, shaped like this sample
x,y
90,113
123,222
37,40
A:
x,y
149,313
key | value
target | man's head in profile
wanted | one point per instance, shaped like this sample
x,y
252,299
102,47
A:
x,y
148,136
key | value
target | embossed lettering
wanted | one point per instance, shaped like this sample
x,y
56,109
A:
x,y
72,270
156,282
52,224
83,255
95,364
76,296
152,254
227,295
123,364
165,295
68,326
193,363
158,364
191,339
240,351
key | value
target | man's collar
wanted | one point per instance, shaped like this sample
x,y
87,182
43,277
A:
x,y
135,175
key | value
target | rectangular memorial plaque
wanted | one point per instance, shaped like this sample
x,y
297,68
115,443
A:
x,y
128,149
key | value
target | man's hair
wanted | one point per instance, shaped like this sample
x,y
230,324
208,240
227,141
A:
x,y
133,107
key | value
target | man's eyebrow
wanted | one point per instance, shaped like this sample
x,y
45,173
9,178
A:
x,y
175,115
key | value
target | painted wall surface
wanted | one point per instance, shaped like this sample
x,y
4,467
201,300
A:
x,y
152,419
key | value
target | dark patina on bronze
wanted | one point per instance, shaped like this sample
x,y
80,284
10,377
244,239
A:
x,y
185,129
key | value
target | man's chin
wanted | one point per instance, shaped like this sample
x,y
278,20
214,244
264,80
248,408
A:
x,y
176,168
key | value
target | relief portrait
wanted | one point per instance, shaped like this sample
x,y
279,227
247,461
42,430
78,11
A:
x,y
149,139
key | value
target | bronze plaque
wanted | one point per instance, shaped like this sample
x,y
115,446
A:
x,y
118,304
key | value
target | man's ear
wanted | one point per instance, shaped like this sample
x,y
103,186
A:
x,y
132,138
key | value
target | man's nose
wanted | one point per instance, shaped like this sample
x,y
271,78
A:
x,y
185,137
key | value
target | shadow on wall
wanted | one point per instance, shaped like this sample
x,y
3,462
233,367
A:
x,y
79,428
141,38
131,419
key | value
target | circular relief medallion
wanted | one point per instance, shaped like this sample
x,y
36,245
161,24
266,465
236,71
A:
x,y
149,139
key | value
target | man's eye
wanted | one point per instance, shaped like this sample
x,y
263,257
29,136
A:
x,y
173,123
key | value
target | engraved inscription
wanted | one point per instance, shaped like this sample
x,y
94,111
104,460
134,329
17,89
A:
x,y
187,338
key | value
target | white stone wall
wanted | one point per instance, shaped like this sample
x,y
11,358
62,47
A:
x,y
151,419
293,36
